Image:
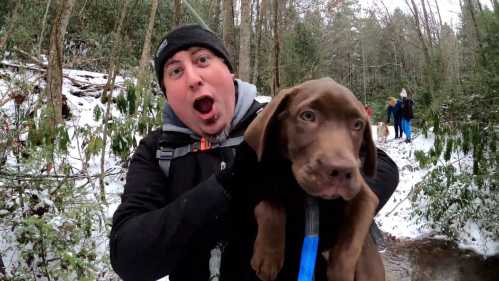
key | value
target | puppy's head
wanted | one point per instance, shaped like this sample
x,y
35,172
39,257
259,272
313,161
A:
x,y
324,131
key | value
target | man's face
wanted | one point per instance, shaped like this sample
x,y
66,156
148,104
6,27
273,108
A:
x,y
200,90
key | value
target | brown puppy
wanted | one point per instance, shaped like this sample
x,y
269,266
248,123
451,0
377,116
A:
x,y
325,133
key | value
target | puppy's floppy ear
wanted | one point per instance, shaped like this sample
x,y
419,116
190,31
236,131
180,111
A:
x,y
368,150
258,131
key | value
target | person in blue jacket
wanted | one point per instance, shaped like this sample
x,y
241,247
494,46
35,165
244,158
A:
x,y
406,109
393,109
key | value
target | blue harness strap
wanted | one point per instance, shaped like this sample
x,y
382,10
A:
x,y
311,240
308,257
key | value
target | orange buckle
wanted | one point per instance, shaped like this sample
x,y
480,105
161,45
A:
x,y
204,144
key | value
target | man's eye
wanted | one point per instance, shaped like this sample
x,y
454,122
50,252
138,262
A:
x,y
308,116
174,72
203,60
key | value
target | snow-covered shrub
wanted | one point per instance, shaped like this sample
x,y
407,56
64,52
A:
x,y
462,187
52,225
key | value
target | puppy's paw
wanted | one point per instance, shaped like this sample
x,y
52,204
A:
x,y
339,273
341,267
268,249
267,261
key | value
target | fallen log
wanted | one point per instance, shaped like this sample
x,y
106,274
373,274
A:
x,y
84,85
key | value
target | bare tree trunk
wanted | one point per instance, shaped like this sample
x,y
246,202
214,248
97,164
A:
x,y
427,24
434,25
426,50
276,82
395,61
178,12
114,60
415,13
477,30
479,5
364,86
2,268
214,16
53,89
439,19
440,65
388,15
398,38
471,8
228,30
44,21
258,31
245,40
11,24
463,50
82,8
146,49
113,70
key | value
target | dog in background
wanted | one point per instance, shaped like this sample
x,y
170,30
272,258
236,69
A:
x,y
382,132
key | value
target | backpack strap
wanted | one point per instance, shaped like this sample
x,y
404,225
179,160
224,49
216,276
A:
x,y
166,155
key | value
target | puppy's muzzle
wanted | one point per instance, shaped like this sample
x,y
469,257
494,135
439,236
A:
x,y
337,175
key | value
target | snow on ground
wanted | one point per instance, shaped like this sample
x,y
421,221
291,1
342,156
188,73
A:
x,y
396,216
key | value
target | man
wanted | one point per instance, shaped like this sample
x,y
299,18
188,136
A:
x,y
407,114
174,210
393,108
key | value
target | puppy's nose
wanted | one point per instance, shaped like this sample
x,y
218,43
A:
x,y
341,173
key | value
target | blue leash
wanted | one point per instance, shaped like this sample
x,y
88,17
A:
x,y
311,240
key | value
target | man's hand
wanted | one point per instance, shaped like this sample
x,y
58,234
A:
x,y
241,169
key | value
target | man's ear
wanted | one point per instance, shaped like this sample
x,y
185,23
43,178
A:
x,y
258,131
368,150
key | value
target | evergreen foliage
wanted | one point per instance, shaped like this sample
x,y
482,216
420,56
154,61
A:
x,y
464,185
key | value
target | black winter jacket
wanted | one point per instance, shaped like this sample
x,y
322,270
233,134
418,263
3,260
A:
x,y
407,108
168,226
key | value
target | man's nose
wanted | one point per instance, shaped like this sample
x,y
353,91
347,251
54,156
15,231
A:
x,y
194,80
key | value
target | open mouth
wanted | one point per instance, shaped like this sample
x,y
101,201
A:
x,y
203,104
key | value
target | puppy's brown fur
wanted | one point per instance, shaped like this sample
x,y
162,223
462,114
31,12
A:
x,y
325,133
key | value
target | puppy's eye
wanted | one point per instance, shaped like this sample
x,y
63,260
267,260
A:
x,y
308,116
358,125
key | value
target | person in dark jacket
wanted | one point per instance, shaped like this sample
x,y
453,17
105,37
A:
x,y
406,109
174,215
393,109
